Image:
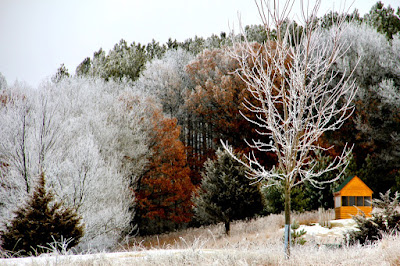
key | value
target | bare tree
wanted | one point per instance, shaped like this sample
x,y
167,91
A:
x,y
296,96
89,137
15,148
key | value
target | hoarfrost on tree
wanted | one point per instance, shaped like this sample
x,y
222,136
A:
x,y
299,96
79,131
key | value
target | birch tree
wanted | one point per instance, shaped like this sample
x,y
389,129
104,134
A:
x,y
298,97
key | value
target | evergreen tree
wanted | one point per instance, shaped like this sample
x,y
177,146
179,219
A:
x,y
225,193
41,222
62,72
274,200
384,19
122,62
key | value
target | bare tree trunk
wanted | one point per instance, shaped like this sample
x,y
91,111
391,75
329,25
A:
x,y
24,154
287,222
227,228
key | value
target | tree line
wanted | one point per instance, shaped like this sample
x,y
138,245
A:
x,y
125,139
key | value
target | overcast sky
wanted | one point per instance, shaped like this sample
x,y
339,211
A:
x,y
37,36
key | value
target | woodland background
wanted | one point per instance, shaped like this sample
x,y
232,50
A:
x,y
124,139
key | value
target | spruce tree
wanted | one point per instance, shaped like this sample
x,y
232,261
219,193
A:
x,y
225,193
40,222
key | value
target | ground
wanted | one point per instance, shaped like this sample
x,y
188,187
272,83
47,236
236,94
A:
x,y
255,242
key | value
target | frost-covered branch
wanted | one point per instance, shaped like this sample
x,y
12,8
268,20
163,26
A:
x,y
295,95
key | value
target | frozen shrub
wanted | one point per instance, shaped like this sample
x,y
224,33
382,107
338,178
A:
x,y
385,220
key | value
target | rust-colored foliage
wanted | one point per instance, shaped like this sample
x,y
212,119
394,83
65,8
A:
x,y
217,104
165,190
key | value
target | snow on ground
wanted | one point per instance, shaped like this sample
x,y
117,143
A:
x,y
325,235
117,258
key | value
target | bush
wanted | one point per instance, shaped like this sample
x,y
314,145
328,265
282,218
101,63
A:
x,y
385,220
297,236
40,223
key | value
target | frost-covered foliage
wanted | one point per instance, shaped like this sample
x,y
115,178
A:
x,y
123,61
374,127
371,56
3,82
16,147
88,137
167,80
385,220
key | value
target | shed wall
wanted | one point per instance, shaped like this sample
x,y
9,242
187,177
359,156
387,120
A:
x,y
346,212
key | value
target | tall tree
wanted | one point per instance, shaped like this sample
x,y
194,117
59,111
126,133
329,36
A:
x,y
215,105
297,99
165,79
163,192
17,133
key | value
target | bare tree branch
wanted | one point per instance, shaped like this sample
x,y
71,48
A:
x,y
296,96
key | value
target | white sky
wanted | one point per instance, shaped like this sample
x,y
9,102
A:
x,y
37,36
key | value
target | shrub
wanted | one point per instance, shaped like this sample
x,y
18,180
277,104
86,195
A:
x,y
385,220
39,223
297,236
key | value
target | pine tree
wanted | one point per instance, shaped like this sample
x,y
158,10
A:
x,y
40,222
62,73
225,193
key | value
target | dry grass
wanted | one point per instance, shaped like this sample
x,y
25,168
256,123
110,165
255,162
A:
x,y
259,242
255,232
255,242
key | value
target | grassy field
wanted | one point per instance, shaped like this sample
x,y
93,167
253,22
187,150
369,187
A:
x,y
259,242
254,242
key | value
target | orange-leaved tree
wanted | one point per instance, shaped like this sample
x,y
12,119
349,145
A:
x,y
163,193
216,106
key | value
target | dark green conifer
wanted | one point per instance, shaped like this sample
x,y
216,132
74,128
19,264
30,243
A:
x,y
40,222
225,193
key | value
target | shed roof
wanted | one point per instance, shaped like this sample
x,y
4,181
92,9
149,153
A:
x,y
347,180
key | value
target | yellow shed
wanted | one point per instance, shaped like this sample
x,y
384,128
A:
x,y
350,197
